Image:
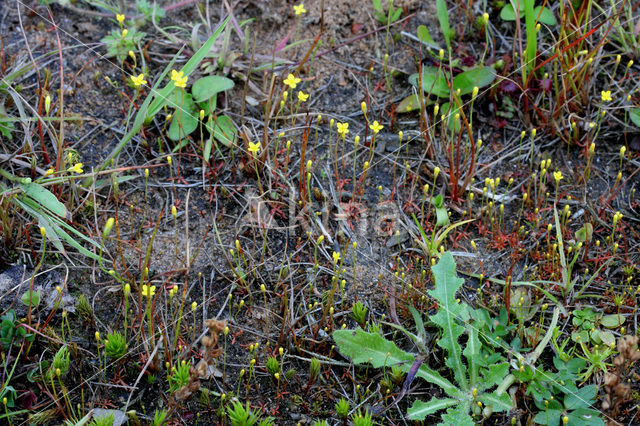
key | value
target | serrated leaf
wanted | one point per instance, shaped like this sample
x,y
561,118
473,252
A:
x,y
583,398
498,403
363,347
420,409
472,353
458,416
44,197
612,321
449,310
206,87
548,417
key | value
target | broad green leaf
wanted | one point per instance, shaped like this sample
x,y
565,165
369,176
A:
x,y
634,115
425,36
181,101
448,315
546,17
161,96
607,337
45,198
498,403
585,233
585,417
363,347
508,12
206,87
420,409
433,82
31,298
182,124
583,398
478,76
548,417
408,104
443,19
223,129
612,321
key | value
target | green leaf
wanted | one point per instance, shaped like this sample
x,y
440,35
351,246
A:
x,y
546,17
160,97
425,36
433,82
223,129
31,298
443,18
585,417
478,76
206,87
495,374
45,198
472,353
634,115
363,347
420,409
458,416
183,124
500,402
449,311
585,233
408,104
612,321
450,113
548,417
508,13
583,398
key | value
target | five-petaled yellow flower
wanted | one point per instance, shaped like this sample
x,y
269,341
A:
x,y
76,168
557,175
376,127
292,81
606,95
120,18
148,291
139,80
336,256
299,9
343,129
302,97
179,79
254,148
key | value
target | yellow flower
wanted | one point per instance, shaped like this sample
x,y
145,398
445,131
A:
x,y
376,127
179,79
254,148
139,80
343,129
148,291
120,18
336,256
76,168
292,81
557,175
299,9
302,97
606,95
125,32
49,171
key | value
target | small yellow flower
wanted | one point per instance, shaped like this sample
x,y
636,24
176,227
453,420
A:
x,y
139,80
376,127
336,256
49,172
343,129
179,79
606,95
76,168
302,97
125,32
299,9
120,18
292,81
254,148
557,175
148,291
